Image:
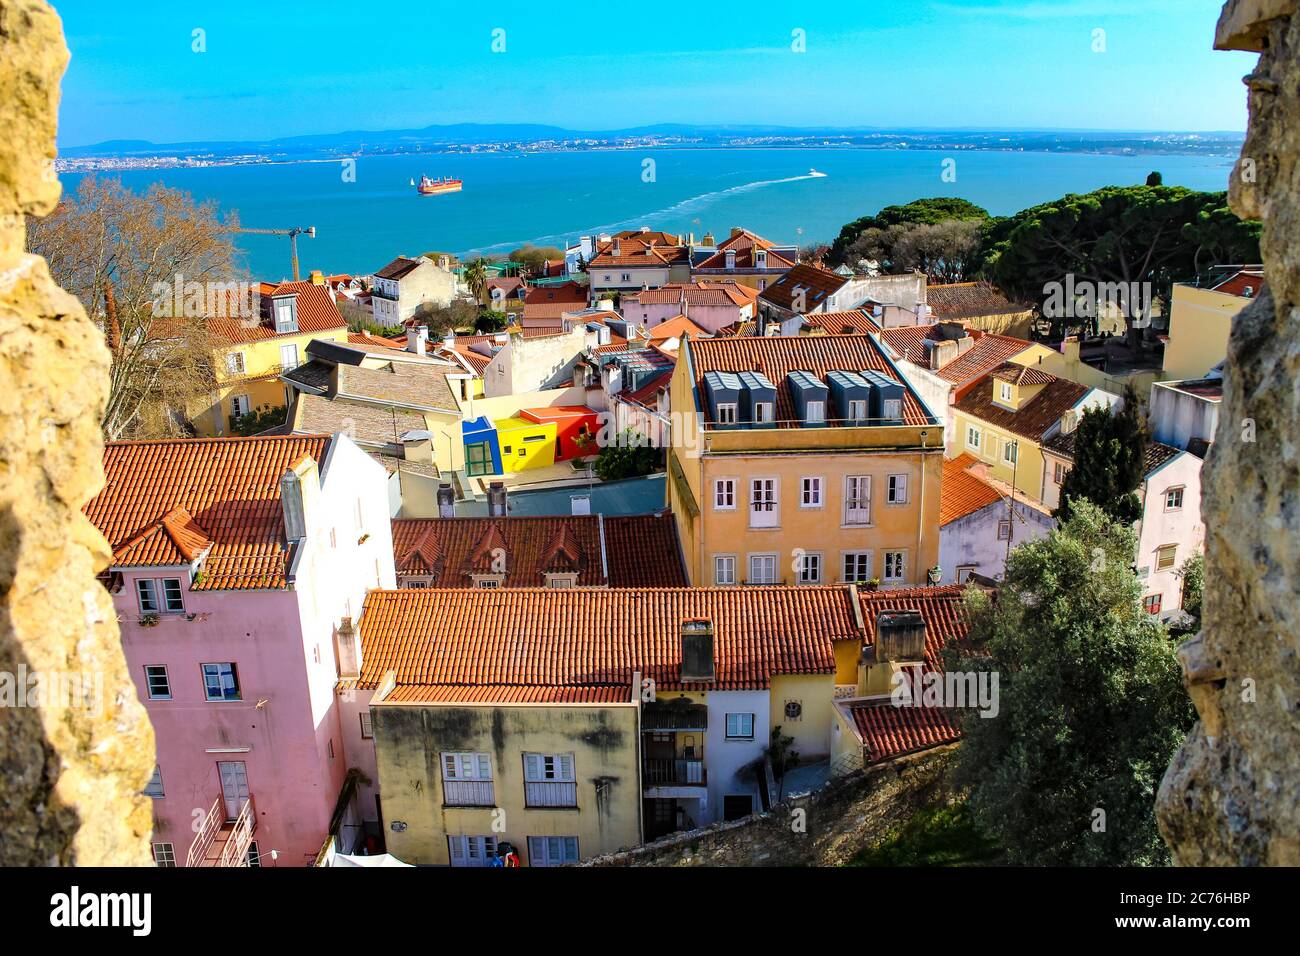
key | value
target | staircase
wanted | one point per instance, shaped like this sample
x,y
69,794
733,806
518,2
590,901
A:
x,y
223,842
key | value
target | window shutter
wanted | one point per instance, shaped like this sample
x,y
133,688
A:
x,y
484,767
566,767
533,766
449,766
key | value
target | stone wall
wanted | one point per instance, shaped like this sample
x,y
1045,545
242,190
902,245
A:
x,y
824,828
1232,794
72,764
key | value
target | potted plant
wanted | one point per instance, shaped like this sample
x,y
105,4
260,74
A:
x,y
148,620
872,584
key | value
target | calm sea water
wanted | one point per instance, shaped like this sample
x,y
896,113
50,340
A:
x,y
547,198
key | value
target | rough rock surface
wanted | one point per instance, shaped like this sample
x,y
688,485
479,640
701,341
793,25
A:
x,y
1232,794
76,747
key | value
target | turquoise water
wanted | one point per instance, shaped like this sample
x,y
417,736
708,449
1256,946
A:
x,y
547,198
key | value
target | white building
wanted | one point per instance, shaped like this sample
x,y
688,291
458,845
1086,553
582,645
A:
x,y
979,523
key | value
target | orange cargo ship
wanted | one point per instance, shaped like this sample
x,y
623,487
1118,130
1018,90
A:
x,y
435,187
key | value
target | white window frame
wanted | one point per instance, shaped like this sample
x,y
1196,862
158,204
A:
x,y
149,682
1004,529
1181,492
1173,557
764,557
857,410
891,409
765,501
973,436
740,724
854,502
728,413
235,363
367,727
1010,452
724,494
812,492
154,788
809,568
540,850
857,557
900,566
240,401
165,594
764,413
815,412
1058,473
896,489
289,349
164,854
1005,393
234,676
550,780
724,570
964,572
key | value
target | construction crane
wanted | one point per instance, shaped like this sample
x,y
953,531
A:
x,y
293,234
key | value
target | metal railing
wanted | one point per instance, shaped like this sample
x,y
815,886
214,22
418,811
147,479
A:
x,y
468,793
687,771
550,793
207,833
235,852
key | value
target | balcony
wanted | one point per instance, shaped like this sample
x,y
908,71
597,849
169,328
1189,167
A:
x,y
674,715
551,793
222,841
468,793
674,772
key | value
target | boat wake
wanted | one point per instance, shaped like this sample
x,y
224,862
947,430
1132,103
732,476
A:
x,y
693,204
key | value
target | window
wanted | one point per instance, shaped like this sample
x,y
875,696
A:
x,y
155,679
763,412
972,437
284,316
727,414
1058,473
1009,452
235,363
737,806
762,503
762,569
154,788
164,854
487,581
1151,603
1004,529
220,682
1174,499
858,410
809,567
740,726
472,850
148,595
555,580
1166,556
240,406
895,565
367,731
892,409
552,851
724,494
815,412
810,493
896,492
159,594
289,357
857,499
964,572
467,779
1005,391
724,569
549,781
478,459
857,566
254,855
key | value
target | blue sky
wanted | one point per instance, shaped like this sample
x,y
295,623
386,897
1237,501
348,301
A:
x,y
277,68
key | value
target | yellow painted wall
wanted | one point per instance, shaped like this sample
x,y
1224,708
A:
x,y
1199,323
812,731
526,444
846,748
409,739
847,655
260,380
1028,471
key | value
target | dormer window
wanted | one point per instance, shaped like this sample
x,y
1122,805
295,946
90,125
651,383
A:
x,y
858,410
1005,392
893,409
566,580
763,412
488,581
816,412
286,314
760,258
727,414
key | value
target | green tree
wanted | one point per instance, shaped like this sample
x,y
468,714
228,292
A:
x,y
476,278
1155,179
928,212
533,258
488,322
1091,705
1109,462
628,456
1127,242
1193,577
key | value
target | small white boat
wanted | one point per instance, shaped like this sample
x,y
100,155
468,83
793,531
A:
x,y
412,182
813,172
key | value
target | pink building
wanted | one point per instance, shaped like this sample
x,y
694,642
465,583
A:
x,y
710,305
235,563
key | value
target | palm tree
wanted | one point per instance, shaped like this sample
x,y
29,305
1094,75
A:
x,y
476,278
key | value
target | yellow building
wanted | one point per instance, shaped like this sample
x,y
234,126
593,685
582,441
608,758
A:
x,y
635,712
255,351
525,444
802,460
1003,419
1200,321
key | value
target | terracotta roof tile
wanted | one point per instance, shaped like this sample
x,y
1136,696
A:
x,y
696,293
166,500
962,493
891,731
644,551
962,300
508,638
317,312
818,282
856,322
1034,417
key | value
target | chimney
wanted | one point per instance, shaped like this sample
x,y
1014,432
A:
x,y
760,258
295,515
317,277
618,248
446,500
449,339
697,650
498,507
347,650
735,231
417,339
900,637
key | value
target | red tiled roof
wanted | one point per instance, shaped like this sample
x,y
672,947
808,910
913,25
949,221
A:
x,y
696,293
890,731
988,352
1238,283
1021,374
855,322
676,327
962,493
317,312
819,283
644,551
969,300
745,258
164,501
398,269
647,392
640,249
568,293
597,638
1034,417
777,356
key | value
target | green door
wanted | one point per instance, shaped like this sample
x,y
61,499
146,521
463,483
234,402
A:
x,y
478,459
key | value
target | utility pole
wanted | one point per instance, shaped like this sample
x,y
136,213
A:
x,y
293,234
1011,501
